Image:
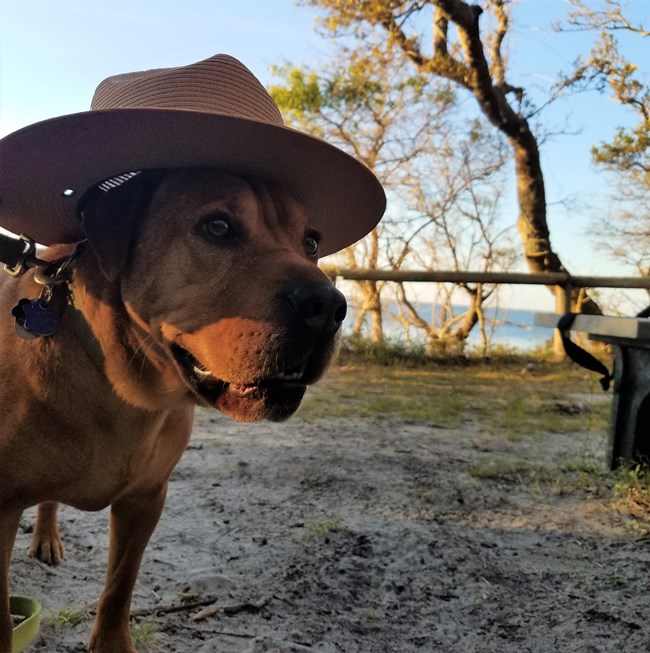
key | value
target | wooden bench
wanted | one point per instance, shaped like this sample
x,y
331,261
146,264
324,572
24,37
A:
x,y
629,337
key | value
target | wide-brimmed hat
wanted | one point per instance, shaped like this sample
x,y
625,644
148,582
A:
x,y
211,114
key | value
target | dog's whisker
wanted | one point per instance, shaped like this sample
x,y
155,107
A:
x,y
137,351
140,350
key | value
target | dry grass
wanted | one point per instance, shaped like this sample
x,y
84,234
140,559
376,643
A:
x,y
513,397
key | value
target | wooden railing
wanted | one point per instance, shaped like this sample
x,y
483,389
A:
x,y
564,283
550,279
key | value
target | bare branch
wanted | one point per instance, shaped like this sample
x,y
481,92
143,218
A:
x,y
584,18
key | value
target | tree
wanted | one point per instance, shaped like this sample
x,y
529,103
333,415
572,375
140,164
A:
x,y
606,68
475,63
627,155
406,127
459,197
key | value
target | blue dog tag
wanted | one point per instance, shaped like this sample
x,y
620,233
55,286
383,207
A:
x,y
40,319
35,319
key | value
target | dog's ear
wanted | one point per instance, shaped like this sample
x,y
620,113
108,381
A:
x,y
111,214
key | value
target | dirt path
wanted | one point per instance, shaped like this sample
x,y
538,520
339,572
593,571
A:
x,y
370,536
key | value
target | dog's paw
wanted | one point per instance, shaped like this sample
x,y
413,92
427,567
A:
x,y
47,549
113,643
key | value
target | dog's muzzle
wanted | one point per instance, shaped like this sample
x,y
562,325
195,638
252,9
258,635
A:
x,y
276,369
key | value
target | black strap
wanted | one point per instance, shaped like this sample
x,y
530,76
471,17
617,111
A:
x,y
86,337
578,354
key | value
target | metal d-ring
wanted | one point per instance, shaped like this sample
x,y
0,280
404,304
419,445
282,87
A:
x,y
53,273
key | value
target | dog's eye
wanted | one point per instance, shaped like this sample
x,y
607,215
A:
x,y
311,245
217,227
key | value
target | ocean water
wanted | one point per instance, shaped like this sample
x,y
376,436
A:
x,y
507,327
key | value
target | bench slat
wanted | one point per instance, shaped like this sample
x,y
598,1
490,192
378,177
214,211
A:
x,y
635,328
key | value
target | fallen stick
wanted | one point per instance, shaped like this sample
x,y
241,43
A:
x,y
228,609
246,606
222,633
148,612
210,611
227,633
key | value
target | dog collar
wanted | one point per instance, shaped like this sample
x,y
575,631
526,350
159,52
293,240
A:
x,y
40,317
18,254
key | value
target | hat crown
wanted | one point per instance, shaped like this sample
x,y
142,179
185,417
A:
x,y
220,84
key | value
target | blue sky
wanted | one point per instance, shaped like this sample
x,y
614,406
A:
x,y
53,53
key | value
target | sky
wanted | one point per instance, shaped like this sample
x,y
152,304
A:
x,y
53,53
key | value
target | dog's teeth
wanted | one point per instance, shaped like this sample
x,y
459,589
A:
x,y
293,376
199,371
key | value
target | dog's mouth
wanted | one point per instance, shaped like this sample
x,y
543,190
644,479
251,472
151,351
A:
x,y
275,397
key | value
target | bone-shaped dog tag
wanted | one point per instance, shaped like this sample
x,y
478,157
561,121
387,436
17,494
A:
x,y
34,319
40,319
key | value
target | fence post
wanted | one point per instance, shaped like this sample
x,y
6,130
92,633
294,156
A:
x,y
562,306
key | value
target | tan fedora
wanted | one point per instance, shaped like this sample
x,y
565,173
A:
x,y
211,114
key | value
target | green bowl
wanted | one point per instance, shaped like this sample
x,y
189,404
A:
x,y
26,630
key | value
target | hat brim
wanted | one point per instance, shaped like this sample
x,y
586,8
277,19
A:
x,y
45,168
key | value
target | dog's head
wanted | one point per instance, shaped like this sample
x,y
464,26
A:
x,y
220,272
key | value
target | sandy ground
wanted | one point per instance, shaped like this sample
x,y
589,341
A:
x,y
364,536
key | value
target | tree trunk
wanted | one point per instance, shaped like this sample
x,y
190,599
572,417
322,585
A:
x,y
371,296
531,222
373,304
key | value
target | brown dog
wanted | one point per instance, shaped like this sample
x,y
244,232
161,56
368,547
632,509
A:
x,y
200,287
195,285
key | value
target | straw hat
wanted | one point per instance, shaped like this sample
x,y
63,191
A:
x,y
211,114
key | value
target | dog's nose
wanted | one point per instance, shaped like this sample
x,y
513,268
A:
x,y
320,305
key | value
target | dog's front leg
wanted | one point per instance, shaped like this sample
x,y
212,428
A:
x,y
9,520
132,521
46,543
